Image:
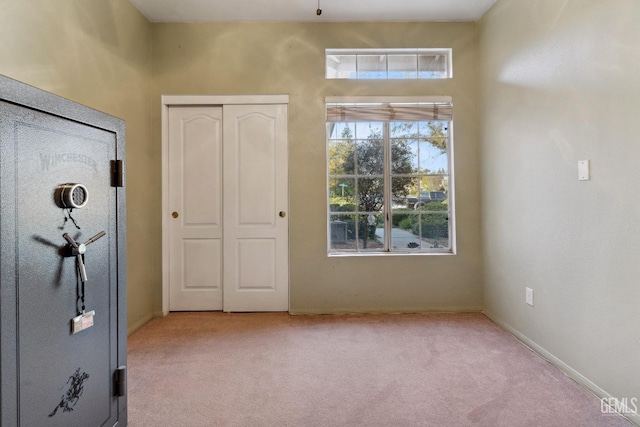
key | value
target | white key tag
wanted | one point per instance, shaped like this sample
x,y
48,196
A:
x,y
82,322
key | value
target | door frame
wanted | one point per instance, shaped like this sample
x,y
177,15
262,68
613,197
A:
x,y
177,100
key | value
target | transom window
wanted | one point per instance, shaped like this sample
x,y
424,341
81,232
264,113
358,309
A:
x,y
388,63
389,176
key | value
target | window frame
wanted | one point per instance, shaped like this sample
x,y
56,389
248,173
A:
x,y
386,54
387,211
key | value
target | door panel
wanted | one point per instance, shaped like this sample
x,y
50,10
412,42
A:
x,y
201,164
256,264
62,379
195,193
256,190
202,263
255,169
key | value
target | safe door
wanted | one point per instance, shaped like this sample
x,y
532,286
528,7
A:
x,y
63,333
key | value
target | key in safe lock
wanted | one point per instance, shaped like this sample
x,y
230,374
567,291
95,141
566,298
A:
x,y
84,319
74,196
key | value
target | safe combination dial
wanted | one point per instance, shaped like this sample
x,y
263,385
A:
x,y
72,196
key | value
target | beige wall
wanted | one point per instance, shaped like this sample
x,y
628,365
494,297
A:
x,y
107,56
98,53
252,58
559,83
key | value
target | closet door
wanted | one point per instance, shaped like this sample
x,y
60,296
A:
x,y
228,191
195,200
255,208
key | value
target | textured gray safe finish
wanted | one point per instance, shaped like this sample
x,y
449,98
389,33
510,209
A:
x,y
50,376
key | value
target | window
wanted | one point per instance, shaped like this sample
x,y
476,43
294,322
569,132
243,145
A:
x,y
388,63
389,176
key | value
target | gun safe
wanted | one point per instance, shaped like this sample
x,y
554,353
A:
x,y
62,252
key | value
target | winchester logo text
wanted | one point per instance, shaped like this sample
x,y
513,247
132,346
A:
x,y
51,161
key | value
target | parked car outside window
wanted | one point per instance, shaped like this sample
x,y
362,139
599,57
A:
x,y
426,197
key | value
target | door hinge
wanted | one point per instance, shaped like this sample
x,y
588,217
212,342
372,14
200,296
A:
x,y
117,173
120,377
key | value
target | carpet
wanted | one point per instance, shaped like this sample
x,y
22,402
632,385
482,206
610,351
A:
x,y
273,369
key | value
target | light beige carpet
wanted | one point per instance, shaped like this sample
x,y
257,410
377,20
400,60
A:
x,y
272,369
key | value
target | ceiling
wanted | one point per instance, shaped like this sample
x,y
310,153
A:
x,y
305,10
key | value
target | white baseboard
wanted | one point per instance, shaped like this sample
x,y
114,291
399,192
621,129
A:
x,y
568,370
413,310
131,329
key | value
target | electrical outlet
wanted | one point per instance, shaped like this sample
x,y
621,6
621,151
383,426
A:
x,y
529,296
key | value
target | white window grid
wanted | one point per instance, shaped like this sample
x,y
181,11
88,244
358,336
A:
x,y
423,63
387,211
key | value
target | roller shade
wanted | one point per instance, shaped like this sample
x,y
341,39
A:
x,y
389,112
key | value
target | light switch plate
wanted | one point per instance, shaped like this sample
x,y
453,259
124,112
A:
x,y
583,170
529,296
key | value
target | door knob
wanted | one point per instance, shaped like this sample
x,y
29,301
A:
x,y
175,214
283,214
